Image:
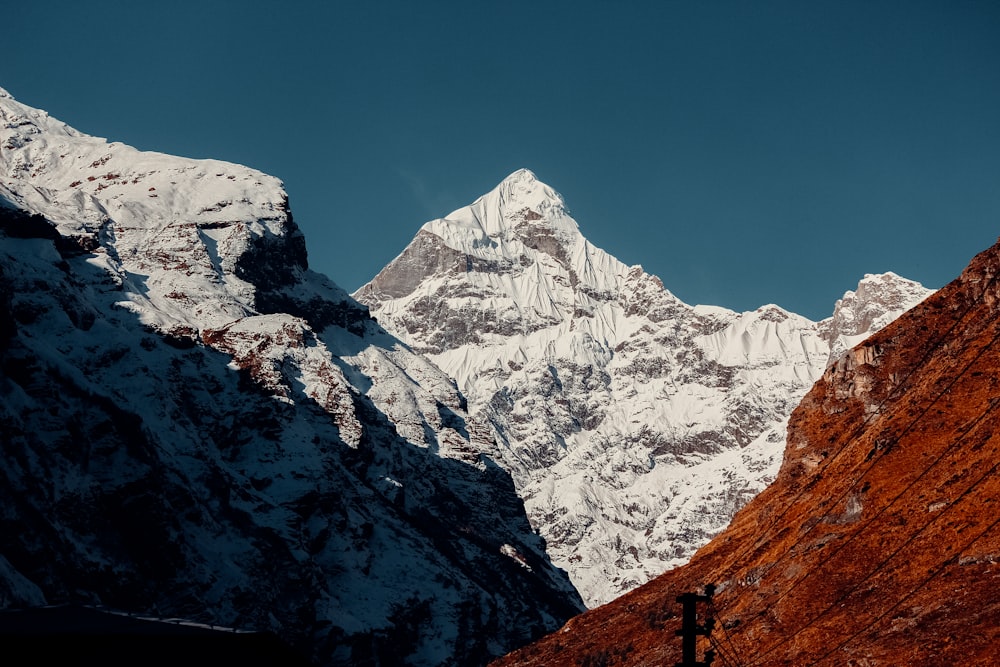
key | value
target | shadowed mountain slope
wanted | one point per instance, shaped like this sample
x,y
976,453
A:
x,y
196,425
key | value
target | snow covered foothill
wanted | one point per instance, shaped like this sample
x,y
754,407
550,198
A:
x,y
634,425
197,425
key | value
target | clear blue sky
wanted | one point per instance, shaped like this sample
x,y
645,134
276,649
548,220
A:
x,y
745,152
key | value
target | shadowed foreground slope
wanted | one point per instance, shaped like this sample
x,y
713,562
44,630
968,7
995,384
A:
x,y
195,425
878,542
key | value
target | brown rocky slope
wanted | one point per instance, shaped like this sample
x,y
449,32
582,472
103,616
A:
x,y
878,543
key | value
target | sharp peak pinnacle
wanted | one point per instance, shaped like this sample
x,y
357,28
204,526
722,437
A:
x,y
522,186
521,175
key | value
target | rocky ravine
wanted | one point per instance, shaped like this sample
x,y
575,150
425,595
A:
x,y
634,425
878,543
196,425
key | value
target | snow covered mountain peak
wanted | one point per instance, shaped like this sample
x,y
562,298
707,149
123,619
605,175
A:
x,y
516,259
147,214
633,424
522,190
518,209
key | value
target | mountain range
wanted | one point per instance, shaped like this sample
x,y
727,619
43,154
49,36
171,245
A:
x,y
633,424
505,426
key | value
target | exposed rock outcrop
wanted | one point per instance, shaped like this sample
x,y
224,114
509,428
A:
x,y
878,543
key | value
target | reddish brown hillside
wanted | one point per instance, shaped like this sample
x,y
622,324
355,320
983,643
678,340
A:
x,y
878,544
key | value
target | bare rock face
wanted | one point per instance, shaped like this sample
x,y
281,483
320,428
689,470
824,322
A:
x,y
877,544
197,426
633,424
876,302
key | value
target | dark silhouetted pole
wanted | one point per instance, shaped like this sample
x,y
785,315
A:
x,y
690,629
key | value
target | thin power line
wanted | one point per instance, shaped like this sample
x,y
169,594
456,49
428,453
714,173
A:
x,y
842,545
895,441
860,429
864,424
725,633
722,653
918,587
872,571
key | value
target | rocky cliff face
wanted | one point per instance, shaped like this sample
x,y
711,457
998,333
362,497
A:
x,y
878,542
634,425
196,425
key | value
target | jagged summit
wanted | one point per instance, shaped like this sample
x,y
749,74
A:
x,y
515,257
868,308
502,215
523,187
634,424
522,176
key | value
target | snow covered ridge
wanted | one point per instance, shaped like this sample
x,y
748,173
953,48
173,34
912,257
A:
x,y
634,425
196,425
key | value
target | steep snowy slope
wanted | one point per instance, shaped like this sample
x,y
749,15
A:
x,y
634,425
194,424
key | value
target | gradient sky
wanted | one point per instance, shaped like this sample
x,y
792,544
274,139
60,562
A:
x,y
745,152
